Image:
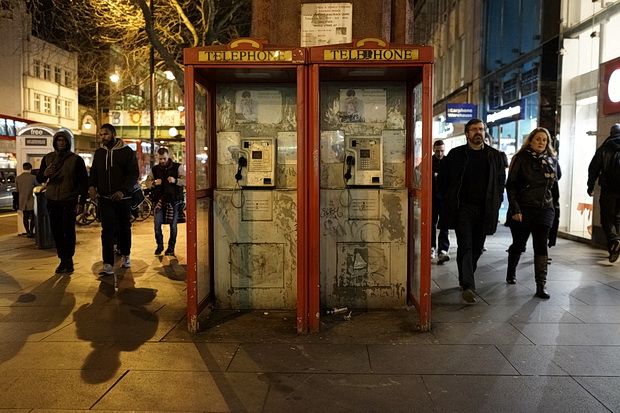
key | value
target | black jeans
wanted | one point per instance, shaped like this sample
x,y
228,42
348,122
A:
x,y
610,216
470,238
444,235
62,224
115,216
537,222
28,220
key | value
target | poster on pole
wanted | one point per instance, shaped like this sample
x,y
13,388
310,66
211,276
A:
x,y
326,23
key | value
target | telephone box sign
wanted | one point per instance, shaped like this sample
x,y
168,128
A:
x,y
371,54
246,56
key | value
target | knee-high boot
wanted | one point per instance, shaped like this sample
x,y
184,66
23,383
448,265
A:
x,y
513,261
540,275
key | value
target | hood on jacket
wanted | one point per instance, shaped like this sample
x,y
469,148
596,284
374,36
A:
x,y
65,133
613,143
118,144
109,152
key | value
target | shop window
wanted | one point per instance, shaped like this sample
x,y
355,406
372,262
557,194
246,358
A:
x,y
510,88
529,81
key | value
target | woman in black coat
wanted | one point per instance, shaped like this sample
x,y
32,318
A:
x,y
531,178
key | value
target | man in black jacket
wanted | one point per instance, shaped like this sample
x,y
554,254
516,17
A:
x,y
606,168
167,179
67,183
442,253
113,176
472,181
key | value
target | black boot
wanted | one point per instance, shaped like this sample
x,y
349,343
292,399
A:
x,y
513,261
540,275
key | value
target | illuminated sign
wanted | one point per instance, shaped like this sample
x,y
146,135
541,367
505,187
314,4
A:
x,y
371,54
460,112
246,56
510,113
611,87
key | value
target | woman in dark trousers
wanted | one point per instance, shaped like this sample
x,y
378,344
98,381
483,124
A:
x,y
531,179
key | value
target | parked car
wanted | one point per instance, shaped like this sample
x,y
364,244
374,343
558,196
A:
x,y
7,187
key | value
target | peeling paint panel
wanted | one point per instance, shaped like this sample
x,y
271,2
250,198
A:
x,y
256,265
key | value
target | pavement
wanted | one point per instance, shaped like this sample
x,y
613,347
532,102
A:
x,y
77,343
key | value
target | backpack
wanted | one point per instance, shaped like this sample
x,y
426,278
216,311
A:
x,y
612,172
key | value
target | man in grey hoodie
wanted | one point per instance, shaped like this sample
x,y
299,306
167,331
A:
x,y
67,183
113,175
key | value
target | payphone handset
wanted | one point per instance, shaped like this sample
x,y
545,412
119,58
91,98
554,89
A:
x,y
257,162
363,161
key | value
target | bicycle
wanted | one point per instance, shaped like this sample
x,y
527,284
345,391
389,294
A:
x,y
90,213
142,211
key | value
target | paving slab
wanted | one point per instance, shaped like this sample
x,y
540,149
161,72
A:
x,y
186,391
294,358
438,359
605,389
336,393
571,334
525,394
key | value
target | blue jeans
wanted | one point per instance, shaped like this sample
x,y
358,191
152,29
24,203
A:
x,y
160,216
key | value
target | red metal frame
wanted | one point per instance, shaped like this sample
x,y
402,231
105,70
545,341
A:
x,y
358,54
242,54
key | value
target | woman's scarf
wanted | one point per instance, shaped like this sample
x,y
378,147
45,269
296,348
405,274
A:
x,y
547,163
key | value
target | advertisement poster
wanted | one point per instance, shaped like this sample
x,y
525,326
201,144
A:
x,y
326,23
258,106
363,105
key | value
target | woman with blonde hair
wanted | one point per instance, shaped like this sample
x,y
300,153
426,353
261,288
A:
x,y
531,178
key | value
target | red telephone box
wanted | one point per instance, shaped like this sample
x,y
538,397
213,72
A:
x,y
369,129
246,179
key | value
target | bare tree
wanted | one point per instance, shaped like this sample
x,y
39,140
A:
x,y
129,28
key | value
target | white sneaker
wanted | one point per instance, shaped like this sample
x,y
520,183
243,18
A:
x,y
107,270
443,257
125,261
433,254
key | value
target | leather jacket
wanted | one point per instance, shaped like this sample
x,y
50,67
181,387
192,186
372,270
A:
x,y
531,180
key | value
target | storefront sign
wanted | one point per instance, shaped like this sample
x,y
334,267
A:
x,y
371,54
460,112
507,114
35,141
611,85
246,56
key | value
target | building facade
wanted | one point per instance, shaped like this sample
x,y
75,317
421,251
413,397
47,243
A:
x,y
589,32
38,83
